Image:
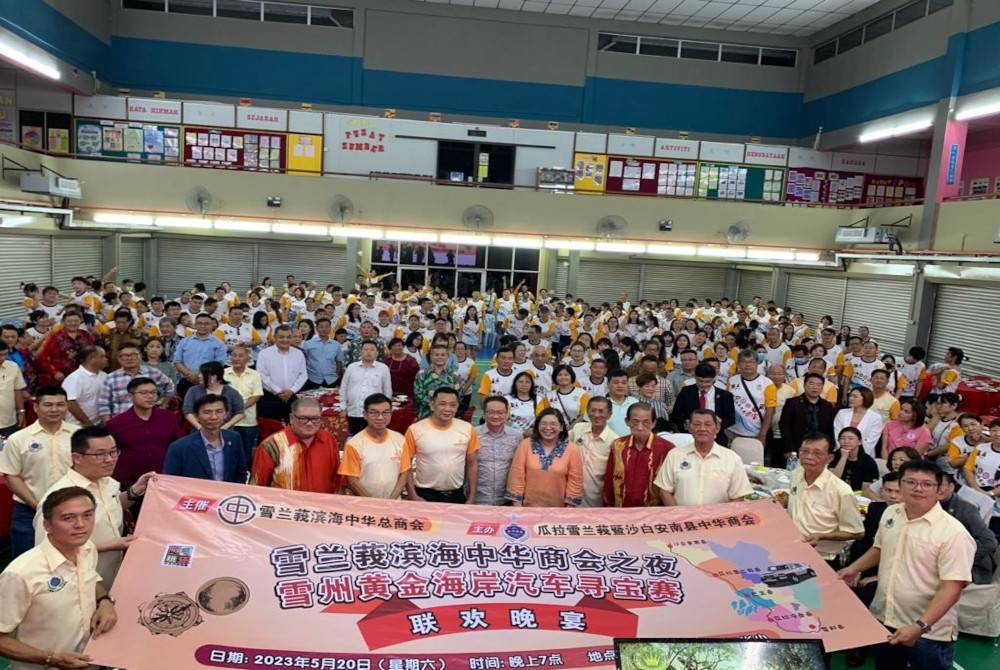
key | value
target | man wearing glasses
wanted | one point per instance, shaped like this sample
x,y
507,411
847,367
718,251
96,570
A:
x,y
373,463
33,459
210,452
302,457
142,433
114,398
94,457
924,558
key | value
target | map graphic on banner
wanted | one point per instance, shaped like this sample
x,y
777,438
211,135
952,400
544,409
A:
x,y
231,576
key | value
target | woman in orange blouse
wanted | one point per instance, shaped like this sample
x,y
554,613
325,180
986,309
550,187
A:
x,y
547,469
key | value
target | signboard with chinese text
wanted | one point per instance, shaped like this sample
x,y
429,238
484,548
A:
x,y
231,576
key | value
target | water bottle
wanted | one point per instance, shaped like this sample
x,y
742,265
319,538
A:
x,y
793,462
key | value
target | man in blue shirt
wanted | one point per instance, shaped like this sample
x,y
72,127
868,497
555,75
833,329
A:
x,y
324,357
193,351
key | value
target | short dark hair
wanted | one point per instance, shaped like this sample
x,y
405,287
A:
x,y
210,399
699,411
606,400
920,465
639,407
951,398
705,371
890,477
812,375
561,368
614,374
550,411
867,397
968,415
50,390
820,437
79,442
59,496
852,430
137,382
444,390
495,398
376,399
212,369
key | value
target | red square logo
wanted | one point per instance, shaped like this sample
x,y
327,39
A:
x,y
194,504
482,528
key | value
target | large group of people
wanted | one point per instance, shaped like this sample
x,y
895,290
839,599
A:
x,y
624,404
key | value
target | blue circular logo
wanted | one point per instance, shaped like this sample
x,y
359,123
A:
x,y
56,583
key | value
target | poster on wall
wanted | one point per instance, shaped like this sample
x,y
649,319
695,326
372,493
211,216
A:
x,y
305,154
979,186
809,185
228,149
8,115
723,181
128,140
59,140
32,137
590,172
651,176
883,190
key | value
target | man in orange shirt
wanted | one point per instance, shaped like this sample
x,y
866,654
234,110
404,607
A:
x,y
302,457
444,452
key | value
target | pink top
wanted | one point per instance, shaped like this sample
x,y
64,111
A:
x,y
903,436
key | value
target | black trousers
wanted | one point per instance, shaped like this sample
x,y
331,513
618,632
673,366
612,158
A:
x,y
271,406
456,496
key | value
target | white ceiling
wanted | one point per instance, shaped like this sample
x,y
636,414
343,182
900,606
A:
x,y
785,17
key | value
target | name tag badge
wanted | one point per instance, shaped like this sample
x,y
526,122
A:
x,y
56,583
34,447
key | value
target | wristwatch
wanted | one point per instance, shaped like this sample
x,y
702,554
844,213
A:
x,y
112,600
923,626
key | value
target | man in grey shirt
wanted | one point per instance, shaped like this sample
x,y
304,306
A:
x,y
497,442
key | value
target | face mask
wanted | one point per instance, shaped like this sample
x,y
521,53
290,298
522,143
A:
x,y
760,356
800,360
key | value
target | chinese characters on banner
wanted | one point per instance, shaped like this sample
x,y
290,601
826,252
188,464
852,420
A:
x,y
230,576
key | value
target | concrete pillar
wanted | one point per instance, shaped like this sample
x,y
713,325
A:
x,y
732,287
779,286
111,253
151,267
921,309
573,275
353,259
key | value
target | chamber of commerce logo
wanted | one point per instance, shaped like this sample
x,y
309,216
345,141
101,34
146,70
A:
x,y
237,510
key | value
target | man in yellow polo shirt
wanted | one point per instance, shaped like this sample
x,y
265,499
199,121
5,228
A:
x,y
703,472
443,450
373,464
821,504
924,557
52,595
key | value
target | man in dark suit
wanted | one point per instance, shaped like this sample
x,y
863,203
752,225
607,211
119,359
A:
x,y
704,394
805,415
209,453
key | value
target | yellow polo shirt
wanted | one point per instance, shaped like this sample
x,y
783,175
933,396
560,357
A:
x,y
248,385
11,380
377,464
37,456
917,555
47,601
108,519
694,479
825,506
438,454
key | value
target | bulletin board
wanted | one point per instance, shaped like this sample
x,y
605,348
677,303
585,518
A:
x,y
651,176
722,181
127,140
305,154
827,187
882,190
590,172
230,149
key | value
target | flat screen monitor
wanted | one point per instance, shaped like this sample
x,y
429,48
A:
x,y
718,654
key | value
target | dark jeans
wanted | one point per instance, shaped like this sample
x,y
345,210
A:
x,y
271,406
456,496
183,385
250,435
775,451
22,530
924,655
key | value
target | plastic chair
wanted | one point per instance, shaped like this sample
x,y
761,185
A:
x,y
268,427
749,449
980,501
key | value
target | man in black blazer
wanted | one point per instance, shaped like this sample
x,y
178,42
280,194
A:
x,y
715,399
806,414
210,452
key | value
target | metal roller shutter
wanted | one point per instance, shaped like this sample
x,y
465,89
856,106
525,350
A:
x,y
182,262
754,283
602,281
131,263
662,282
817,296
319,262
76,256
883,305
961,318
562,278
26,258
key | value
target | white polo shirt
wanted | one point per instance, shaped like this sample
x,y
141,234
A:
x,y
595,451
825,506
84,387
694,479
47,601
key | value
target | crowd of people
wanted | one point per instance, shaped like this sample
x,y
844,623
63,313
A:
x,y
622,404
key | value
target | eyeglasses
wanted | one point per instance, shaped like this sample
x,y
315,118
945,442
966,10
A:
x,y
308,419
375,412
145,392
919,483
495,412
103,455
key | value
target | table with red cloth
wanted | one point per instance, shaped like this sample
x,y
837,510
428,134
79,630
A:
x,y
980,394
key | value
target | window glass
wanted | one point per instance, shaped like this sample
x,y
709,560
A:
x,y
699,50
200,7
626,44
238,9
910,13
732,53
779,57
878,27
332,16
279,13
655,46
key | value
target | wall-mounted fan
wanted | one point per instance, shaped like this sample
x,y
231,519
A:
x,y
611,226
199,201
477,218
738,232
342,209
